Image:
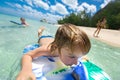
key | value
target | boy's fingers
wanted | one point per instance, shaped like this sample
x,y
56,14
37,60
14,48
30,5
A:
x,y
33,78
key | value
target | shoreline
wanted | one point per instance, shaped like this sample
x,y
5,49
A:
x,y
110,37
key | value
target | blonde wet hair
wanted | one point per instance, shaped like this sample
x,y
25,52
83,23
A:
x,y
69,35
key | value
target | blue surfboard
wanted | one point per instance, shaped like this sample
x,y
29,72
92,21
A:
x,y
15,22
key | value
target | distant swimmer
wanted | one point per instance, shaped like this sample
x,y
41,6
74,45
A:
x,y
23,22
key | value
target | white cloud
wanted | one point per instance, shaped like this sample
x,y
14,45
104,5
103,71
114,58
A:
x,y
27,8
80,8
18,6
10,4
52,18
59,8
40,3
105,3
71,3
29,2
28,12
88,8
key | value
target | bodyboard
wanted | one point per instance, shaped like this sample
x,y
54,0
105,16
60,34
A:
x,y
95,72
92,71
15,22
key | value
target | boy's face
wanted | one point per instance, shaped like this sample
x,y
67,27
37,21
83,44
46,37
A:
x,y
69,58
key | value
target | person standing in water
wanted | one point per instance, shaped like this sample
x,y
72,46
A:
x,y
101,24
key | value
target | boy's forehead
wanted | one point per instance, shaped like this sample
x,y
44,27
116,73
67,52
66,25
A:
x,y
67,49
76,51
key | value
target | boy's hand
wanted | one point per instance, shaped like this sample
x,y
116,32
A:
x,y
26,76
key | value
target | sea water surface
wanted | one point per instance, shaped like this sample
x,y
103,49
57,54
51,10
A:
x,y
13,39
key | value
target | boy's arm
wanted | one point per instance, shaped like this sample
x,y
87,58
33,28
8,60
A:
x,y
26,63
26,71
41,51
27,58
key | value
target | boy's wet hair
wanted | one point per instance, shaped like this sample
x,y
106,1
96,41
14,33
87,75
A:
x,y
68,35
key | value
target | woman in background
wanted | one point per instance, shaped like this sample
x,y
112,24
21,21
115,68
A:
x,y
100,24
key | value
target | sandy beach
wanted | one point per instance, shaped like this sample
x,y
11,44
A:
x,y
111,37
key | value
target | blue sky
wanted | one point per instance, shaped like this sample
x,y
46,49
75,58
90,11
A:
x,y
51,10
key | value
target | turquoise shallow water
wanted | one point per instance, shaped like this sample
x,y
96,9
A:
x,y
13,39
